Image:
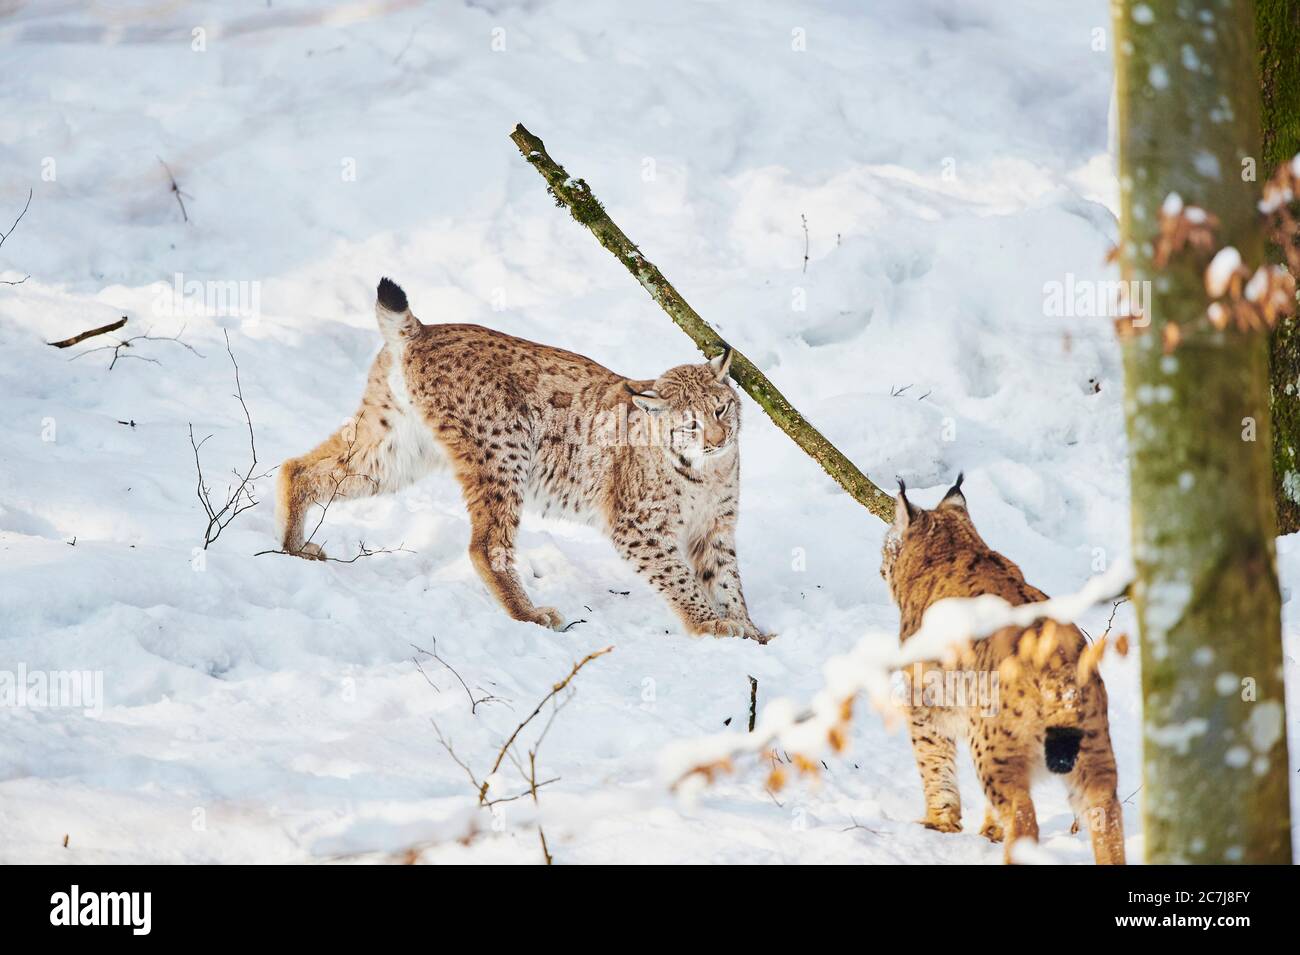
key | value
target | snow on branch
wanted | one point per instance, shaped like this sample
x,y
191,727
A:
x,y
868,668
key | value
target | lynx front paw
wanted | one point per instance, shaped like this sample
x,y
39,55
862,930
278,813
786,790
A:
x,y
942,821
991,831
719,628
547,617
309,551
758,636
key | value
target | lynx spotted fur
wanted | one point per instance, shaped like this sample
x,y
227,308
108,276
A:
x,y
521,425
1049,716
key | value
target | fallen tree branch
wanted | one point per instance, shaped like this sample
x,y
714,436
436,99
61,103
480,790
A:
x,y
116,349
101,330
576,195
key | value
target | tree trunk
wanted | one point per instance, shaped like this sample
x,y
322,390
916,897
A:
x,y
1215,777
1277,24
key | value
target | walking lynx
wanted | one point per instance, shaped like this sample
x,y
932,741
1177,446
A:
x,y
521,425
1050,712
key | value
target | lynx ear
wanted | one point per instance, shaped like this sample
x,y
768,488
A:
x,y
954,497
648,400
722,363
904,510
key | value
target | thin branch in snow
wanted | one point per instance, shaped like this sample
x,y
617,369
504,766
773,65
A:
x,y
242,497
527,770
555,690
362,552
101,330
858,825
6,235
122,343
176,190
473,702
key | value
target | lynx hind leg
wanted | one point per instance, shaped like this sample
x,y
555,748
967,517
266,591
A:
x,y
383,448
493,472
1005,778
1094,798
935,750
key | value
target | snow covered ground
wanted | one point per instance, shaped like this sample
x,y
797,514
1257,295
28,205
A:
x,y
950,160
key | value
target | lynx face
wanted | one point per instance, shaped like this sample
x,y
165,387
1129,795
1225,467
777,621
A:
x,y
694,409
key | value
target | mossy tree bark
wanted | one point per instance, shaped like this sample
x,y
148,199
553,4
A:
x,y
576,196
1277,25
1215,777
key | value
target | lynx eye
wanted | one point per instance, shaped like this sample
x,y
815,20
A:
x,y
722,411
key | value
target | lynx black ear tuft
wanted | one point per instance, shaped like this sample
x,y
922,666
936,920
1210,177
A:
x,y
954,497
391,296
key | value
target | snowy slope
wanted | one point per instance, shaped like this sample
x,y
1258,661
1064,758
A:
x,y
950,159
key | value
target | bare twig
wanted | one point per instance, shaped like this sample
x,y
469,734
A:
x,y
1110,622
446,744
473,702
117,347
529,772
176,190
858,825
242,497
532,778
5,235
501,755
362,551
101,330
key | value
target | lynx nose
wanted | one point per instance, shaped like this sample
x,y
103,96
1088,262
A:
x,y
1061,747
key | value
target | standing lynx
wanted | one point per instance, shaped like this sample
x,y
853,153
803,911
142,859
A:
x,y
653,463
1050,713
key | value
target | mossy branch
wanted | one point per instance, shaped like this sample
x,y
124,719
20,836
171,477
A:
x,y
577,196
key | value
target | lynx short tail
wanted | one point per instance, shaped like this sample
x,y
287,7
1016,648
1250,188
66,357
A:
x,y
396,322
